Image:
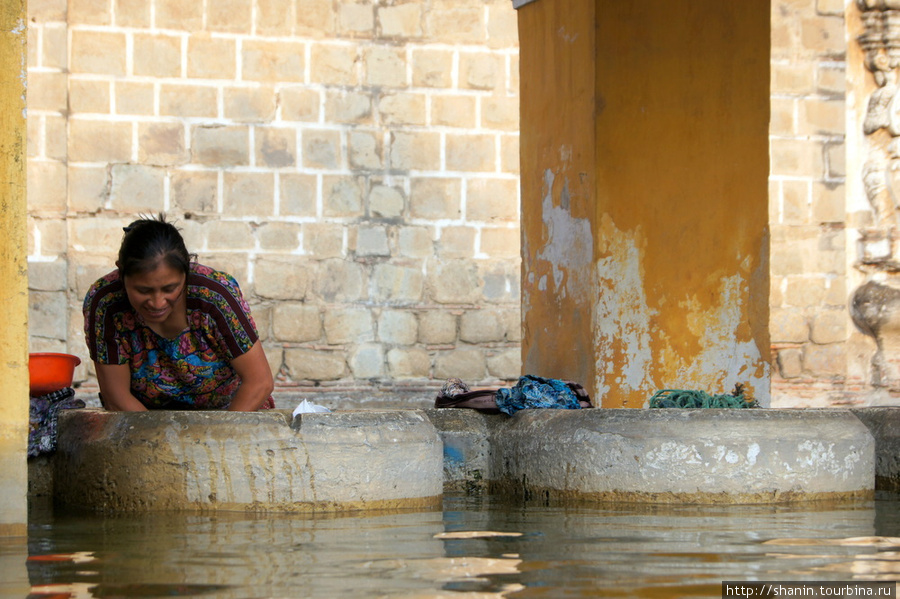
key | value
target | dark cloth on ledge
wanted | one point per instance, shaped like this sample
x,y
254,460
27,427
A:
x,y
530,392
43,416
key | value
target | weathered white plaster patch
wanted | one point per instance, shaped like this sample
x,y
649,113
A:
x,y
621,315
568,245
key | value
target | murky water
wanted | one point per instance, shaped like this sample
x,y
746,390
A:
x,y
473,549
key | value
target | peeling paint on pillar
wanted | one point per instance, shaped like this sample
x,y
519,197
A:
x,y
644,133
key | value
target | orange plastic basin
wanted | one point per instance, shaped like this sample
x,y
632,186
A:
x,y
49,372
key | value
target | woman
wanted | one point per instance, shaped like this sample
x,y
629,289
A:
x,y
167,333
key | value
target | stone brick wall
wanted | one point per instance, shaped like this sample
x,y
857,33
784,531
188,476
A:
x,y
810,324
354,165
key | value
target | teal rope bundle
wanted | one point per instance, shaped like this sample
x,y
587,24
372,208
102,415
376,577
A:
x,y
680,398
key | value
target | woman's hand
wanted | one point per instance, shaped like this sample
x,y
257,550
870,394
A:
x,y
115,388
256,380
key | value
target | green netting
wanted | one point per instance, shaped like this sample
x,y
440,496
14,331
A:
x,y
680,398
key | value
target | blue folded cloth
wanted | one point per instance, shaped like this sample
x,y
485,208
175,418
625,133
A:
x,y
43,416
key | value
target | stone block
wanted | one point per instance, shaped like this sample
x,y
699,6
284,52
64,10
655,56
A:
x,y
279,236
386,202
372,241
299,104
415,150
47,186
367,361
194,191
98,52
53,238
313,463
457,242
482,326
99,141
342,196
804,291
402,109
836,160
435,198
505,365
492,200
831,79
401,21
334,64
162,143
348,106
188,100
469,25
454,111
47,276
484,71
323,240
463,363
824,360
280,278
321,148
356,20
176,14
432,67
341,281
317,19
220,145
46,312
43,11
821,117
409,363
255,104
398,327
156,55
454,282
471,152
276,147
502,26
270,19
345,325
397,283
234,263
48,90
230,16
793,77
509,154
365,150
298,194
500,113
297,323
88,12
416,242
88,189
823,36
137,189
437,327
790,362
229,235
272,61
796,158
501,281
500,243
211,57
384,66
54,47
134,98
795,202
248,194
830,326
782,119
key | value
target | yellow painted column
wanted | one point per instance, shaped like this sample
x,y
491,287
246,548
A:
x,y
13,271
644,168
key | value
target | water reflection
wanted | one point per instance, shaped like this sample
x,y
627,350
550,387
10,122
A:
x,y
472,549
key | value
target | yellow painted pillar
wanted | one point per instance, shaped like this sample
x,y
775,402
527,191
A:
x,y
13,272
644,168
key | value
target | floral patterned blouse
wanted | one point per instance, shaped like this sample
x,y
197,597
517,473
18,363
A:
x,y
191,371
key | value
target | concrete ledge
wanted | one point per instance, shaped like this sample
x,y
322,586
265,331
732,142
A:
x,y
884,424
697,456
247,461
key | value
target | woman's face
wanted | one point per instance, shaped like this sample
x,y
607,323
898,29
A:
x,y
158,295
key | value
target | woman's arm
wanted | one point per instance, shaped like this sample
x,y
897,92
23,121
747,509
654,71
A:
x,y
256,380
115,388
